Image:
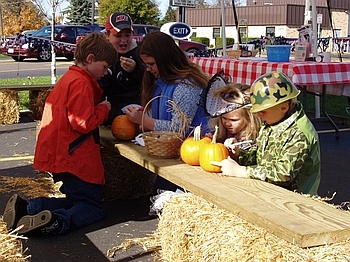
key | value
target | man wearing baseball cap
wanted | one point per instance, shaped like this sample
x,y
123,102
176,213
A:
x,y
122,86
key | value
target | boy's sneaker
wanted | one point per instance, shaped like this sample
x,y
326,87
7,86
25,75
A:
x,y
16,208
42,223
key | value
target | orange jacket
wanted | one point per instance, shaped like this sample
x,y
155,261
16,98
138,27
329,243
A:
x,y
72,109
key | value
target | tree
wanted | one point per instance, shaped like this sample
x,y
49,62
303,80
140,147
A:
x,y
80,12
21,15
170,16
141,11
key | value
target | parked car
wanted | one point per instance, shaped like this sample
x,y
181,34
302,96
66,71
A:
x,y
140,30
95,27
28,32
39,44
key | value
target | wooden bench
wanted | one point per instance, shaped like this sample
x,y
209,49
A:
x,y
291,216
26,87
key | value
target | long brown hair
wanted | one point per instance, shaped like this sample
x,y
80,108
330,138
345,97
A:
x,y
172,63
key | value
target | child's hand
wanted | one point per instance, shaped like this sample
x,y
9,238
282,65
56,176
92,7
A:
x,y
108,104
127,64
229,167
234,150
230,141
134,114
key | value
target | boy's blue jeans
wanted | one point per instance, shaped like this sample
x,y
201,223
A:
x,y
81,207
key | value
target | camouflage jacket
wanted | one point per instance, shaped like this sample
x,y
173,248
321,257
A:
x,y
286,154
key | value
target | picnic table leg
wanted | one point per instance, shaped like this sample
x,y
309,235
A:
x,y
323,98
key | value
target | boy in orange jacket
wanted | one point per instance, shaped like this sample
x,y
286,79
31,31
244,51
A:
x,y
68,147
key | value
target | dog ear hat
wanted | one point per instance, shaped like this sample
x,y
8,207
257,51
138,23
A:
x,y
215,105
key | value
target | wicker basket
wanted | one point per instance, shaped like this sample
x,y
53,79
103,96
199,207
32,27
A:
x,y
162,144
234,54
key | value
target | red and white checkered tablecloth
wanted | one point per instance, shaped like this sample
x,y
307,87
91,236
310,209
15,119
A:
x,y
312,75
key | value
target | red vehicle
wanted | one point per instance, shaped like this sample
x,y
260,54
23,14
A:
x,y
39,45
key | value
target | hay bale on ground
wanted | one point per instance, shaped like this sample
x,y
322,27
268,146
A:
x,y
11,249
124,178
192,229
9,107
42,185
37,102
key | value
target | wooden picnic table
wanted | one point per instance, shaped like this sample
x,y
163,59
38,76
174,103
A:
x,y
291,216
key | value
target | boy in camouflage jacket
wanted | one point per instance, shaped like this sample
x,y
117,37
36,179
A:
x,y
287,151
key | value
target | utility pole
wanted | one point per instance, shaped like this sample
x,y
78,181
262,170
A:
x,y
2,26
93,12
53,54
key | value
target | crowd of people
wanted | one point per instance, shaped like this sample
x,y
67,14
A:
x,y
268,135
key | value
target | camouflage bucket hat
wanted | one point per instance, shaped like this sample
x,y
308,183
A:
x,y
271,89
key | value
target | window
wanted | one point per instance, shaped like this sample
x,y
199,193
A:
x,y
270,31
216,32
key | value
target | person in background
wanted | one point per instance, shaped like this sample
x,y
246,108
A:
x,y
122,86
169,75
287,152
233,117
68,147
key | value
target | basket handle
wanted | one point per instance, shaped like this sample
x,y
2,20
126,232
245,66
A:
x,y
174,106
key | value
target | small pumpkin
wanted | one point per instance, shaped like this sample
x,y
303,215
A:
x,y
212,152
123,129
190,148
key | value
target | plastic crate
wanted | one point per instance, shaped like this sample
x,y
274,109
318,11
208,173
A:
x,y
278,53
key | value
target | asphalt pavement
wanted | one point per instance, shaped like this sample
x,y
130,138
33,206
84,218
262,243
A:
x,y
129,218
125,218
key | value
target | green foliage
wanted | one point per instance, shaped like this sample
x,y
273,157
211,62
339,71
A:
x,y
20,15
203,40
170,16
80,12
141,11
229,41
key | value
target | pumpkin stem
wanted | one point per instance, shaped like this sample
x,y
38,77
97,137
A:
x,y
197,133
213,141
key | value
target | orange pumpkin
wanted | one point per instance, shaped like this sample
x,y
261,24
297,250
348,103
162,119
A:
x,y
190,148
212,152
123,129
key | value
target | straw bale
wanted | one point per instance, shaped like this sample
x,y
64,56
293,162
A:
x,y
124,178
11,249
30,187
192,229
9,107
37,102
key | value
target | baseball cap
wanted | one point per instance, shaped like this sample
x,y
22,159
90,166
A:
x,y
118,21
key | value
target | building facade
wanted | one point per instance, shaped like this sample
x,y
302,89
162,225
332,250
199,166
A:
x,y
268,18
